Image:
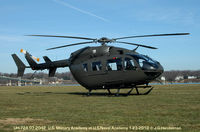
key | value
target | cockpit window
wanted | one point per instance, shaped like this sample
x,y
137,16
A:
x,y
145,62
96,66
85,67
129,64
114,64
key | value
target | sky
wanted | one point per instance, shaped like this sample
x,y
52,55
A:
x,y
96,19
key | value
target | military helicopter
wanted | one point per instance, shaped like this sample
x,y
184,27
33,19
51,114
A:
x,y
102,67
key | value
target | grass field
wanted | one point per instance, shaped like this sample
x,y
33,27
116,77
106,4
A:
x,y
34,108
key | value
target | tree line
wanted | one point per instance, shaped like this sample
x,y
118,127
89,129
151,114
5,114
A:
x,y
171,75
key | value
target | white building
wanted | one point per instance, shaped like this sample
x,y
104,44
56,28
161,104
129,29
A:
x,y
178,78
163,78
192,77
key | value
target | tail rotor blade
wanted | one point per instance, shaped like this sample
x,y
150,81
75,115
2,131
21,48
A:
x,y
33,57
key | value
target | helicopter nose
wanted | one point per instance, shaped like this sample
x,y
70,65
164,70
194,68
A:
x,y
160,69
156,72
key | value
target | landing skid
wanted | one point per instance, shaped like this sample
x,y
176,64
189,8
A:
x,y
116,94
146,93
129,92
89,92
109,92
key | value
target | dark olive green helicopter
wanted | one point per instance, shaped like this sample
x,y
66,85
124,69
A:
x,y
103,67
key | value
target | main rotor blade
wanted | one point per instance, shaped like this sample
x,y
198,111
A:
x,y
62,37
137,44
70,45
172,34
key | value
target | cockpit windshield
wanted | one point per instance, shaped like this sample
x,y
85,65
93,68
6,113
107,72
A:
x,y
145,62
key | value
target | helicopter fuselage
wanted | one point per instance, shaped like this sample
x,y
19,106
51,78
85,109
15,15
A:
x,y
107,67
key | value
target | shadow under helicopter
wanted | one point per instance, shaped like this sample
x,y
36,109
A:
x,y
86,93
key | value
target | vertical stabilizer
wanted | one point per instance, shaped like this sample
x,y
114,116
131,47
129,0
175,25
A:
x,y
52,72
46,59
20,65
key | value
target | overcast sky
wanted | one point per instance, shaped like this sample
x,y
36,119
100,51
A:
x,y
109,18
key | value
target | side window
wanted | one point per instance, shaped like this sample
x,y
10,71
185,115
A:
x,y
129,64
141,62
85,67
114,64
96,66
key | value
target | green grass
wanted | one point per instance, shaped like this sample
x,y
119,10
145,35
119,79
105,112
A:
x,y
66,106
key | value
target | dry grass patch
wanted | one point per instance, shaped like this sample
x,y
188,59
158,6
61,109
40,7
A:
x,y
24,121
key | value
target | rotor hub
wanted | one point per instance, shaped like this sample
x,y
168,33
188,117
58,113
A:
x,y
104,40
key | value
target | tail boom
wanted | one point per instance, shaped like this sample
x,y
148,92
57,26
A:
x,y
51,65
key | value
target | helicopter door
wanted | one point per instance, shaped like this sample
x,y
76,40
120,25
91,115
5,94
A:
x,y
131,72
114,64
129,64
114,71
85,67
96,66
